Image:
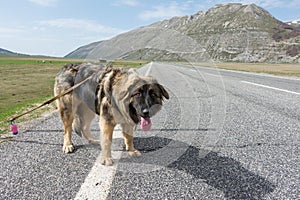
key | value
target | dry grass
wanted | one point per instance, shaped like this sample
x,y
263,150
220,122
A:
x,y
275,69
26,79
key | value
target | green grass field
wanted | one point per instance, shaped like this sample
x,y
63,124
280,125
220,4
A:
x,y
25,81
28,81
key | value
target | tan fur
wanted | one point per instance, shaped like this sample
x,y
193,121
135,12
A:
x,y
106,140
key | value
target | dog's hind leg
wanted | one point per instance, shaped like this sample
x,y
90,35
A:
x,y
83,118
65,110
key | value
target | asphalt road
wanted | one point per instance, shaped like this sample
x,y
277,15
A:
x,y
222,135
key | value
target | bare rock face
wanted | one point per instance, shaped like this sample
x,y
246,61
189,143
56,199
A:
x,y
227,32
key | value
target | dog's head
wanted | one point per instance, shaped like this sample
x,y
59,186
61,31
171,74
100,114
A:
x,y
146,99
140,97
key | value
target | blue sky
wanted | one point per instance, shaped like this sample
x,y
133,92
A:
x,y
57,27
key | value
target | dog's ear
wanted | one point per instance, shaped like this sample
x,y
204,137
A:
x,y
163,91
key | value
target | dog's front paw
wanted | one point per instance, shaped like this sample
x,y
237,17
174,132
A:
x,y
134,153
106,161
68,148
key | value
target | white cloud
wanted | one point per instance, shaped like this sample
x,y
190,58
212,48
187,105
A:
x,y
263,3
46,37
126,2
164,11
9,30
45,3
79,24
279,3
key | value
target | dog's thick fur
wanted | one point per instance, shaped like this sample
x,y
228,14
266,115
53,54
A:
x,y
116,95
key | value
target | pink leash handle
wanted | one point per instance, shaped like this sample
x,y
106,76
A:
x,y
14,128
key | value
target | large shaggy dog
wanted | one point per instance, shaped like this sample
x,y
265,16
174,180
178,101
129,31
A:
x,y
116,95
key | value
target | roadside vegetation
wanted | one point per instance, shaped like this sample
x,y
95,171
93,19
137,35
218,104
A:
x,y
268,68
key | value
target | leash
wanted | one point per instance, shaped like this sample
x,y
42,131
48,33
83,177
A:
x,y
14,128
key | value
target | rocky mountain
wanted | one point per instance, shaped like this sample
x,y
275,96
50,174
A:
x,y
225,32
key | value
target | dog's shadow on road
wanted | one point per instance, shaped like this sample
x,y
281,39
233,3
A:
x,y
223,173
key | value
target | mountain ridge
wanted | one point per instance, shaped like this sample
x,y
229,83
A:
x,y
5,51
226,32
11,53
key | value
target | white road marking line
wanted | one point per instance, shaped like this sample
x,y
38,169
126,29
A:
x,y
273,88
97,183
215,75
149,69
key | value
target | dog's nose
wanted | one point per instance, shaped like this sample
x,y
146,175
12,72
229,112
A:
x,y
145,112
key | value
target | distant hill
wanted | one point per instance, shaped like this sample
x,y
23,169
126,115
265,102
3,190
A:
x,y
225,32
10,53
4,51
84,51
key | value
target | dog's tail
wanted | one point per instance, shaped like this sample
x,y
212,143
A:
x,y
80,130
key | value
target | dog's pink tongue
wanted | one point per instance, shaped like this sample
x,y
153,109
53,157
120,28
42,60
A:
x,y
146,124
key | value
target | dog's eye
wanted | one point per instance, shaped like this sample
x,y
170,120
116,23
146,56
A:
x,y
138,94
153,95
